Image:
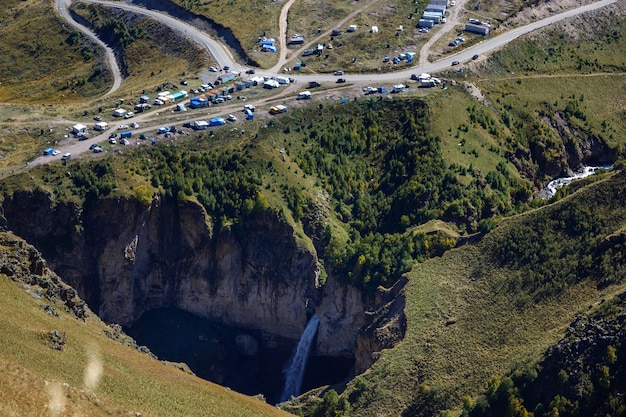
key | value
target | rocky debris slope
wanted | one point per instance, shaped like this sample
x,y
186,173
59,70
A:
x,y
23,263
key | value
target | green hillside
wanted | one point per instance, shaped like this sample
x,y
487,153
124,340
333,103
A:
x,y
486,308
43,61
505,292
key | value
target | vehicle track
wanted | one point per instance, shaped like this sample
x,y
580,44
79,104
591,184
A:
x,y
224,57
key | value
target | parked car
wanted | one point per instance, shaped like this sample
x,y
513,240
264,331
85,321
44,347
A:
x,y
112,135
250,71
142,137
338,73
122,127
97,118
56,152
112,141
226,68
93,145
455,63
231,118
66,156
313,84
341,80
475,57
213,69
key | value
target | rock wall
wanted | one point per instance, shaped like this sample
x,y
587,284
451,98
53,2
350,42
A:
x,y
125,258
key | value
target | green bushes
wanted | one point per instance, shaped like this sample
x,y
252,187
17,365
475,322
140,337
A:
x,y
583,375
116,31
385,174
223,182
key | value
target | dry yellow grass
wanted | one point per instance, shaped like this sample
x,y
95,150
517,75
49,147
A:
x,y
94,375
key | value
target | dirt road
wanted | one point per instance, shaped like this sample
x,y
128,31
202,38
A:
x,y
63,9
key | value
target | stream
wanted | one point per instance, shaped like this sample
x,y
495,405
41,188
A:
x,y
550,190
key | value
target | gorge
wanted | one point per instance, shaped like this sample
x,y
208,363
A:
x,y
243,298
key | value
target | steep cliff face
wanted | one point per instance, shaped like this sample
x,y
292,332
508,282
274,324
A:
x,y
126,258
386,326
573,146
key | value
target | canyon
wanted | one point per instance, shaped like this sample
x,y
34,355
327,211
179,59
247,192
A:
x,y
127,259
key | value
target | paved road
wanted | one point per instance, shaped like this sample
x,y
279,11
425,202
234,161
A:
x,y
63,9
223,56
220,53
489,45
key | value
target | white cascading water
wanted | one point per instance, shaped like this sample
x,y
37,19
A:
x,y
550,190
294,372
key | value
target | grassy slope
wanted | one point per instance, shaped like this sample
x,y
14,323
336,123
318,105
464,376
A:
x,y
40,62
247,19
468,320
158,56
130,381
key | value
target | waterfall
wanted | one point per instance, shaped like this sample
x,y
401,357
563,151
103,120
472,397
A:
x,y
294,372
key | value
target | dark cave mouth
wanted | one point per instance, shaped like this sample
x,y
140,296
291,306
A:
x,y
250,362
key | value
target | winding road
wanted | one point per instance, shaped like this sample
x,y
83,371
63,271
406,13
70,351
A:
x,y
63,7
223,57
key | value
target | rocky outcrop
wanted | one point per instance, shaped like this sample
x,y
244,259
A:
x,y
126,258
23,263
579,147
386,325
